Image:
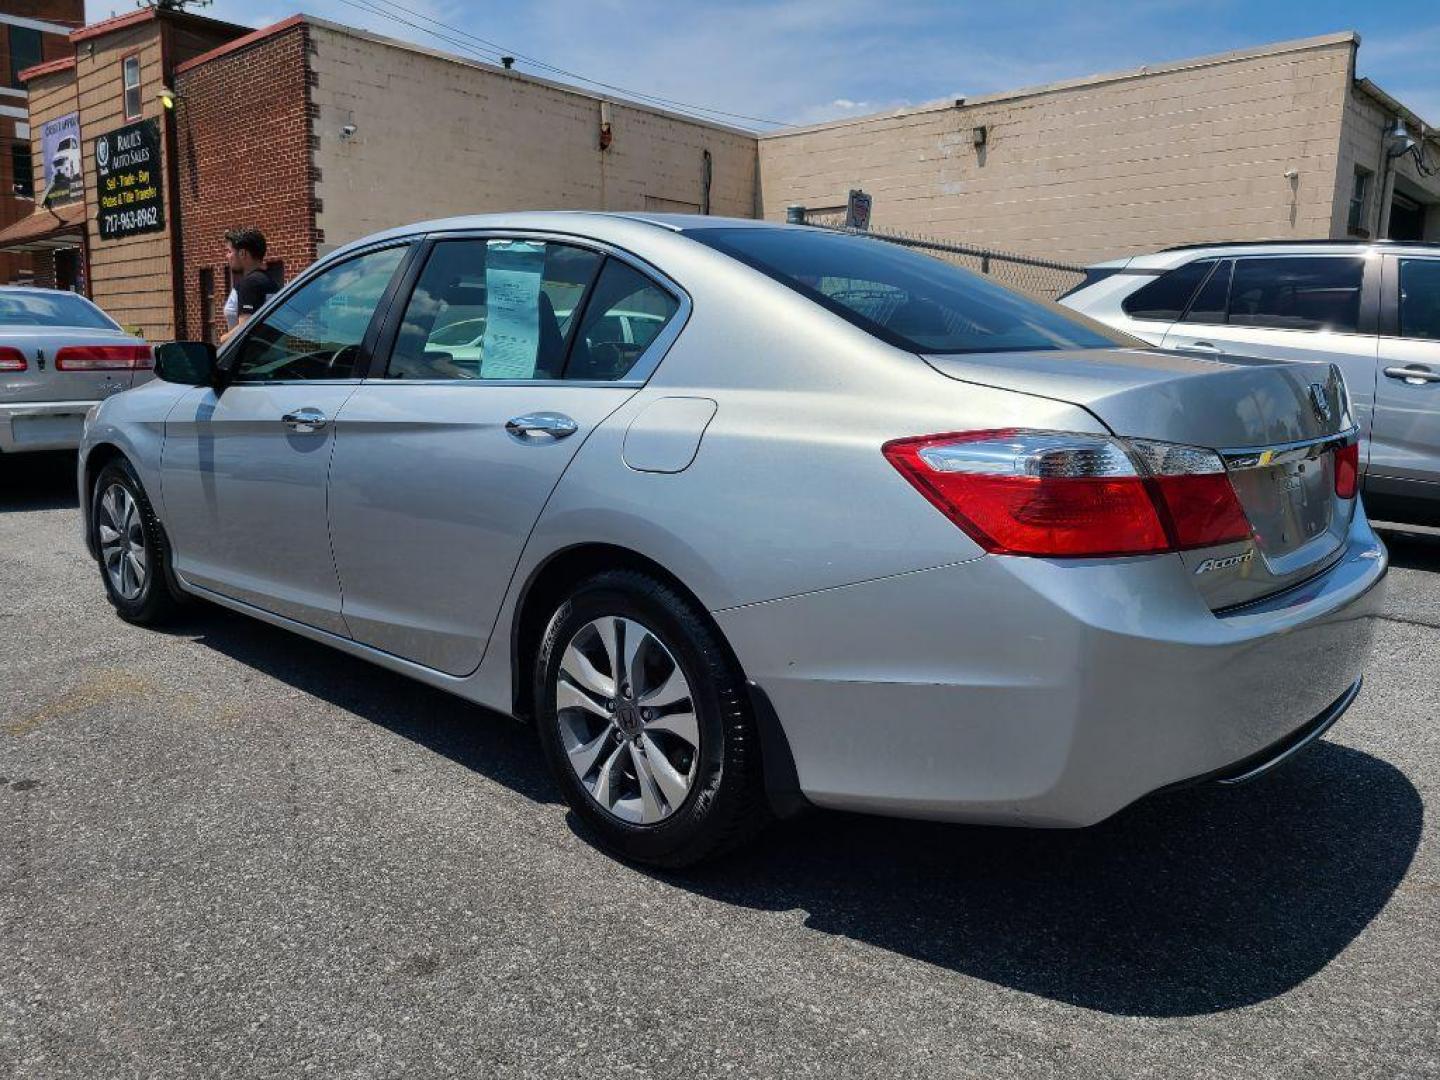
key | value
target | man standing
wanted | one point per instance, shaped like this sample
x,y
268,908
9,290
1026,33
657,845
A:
x,y
245,255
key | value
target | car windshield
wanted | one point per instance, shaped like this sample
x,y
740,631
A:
x,y
905,298
46,309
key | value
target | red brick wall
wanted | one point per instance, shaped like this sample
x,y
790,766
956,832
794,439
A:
x,y
243,127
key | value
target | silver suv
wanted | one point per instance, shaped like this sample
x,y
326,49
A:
x,y
1371,308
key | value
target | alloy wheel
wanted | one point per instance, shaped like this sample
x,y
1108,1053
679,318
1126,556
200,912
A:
x,y
122,542
627,720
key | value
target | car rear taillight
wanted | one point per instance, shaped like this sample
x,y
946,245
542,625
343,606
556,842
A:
x,y
103,358
11,359
1018,492
1347,470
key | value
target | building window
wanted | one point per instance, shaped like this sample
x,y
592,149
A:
x,y
22,170
25,52
1359,202
131,66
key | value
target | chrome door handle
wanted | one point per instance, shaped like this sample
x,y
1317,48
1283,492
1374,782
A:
x,y
532,427
1203,346
1415,376
304,421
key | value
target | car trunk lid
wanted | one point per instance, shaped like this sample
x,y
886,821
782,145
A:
x,y
1276,424
39,379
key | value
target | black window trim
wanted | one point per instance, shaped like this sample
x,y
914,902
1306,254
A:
x,y
639,374
230,351
1190,304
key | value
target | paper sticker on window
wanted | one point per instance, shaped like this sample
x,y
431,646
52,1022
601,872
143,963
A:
x,y
511,345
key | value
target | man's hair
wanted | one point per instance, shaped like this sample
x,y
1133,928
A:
x,y
251,240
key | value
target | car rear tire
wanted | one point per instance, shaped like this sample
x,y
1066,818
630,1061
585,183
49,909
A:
x,y
130,547
662,764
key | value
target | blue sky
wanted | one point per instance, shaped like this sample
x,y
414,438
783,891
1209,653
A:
x,y
807,60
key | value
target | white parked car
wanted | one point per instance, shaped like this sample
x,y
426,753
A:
x,y
1373,309
59,355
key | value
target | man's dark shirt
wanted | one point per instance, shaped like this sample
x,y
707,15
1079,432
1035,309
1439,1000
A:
x,y
252,290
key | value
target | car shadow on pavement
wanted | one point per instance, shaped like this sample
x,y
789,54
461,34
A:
x,y
38,482
1186,903
1412,547
470,735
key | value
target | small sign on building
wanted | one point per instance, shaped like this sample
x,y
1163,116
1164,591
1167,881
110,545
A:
x,y
60,145
857,210
127,170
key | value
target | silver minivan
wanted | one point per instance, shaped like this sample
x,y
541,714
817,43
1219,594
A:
x,y
1372,308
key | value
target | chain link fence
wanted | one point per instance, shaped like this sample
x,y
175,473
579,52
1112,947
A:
x,y
1041,278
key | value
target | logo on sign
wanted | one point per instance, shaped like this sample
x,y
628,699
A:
x,y
102,153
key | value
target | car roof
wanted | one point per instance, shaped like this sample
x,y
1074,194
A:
x,y
1181,254
599,224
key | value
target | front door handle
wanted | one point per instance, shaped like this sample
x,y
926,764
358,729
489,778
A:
x,y
534,427
1415,375
305,421
1203,346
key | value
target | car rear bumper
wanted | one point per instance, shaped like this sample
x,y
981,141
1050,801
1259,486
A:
x,y
41,425
1032,692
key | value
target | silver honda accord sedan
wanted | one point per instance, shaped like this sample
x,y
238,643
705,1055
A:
x,y
746,517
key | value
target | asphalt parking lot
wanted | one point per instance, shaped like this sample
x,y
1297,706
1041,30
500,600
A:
x,y
226,851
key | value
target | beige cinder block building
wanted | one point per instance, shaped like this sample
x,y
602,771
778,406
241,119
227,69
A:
x,y
408,133
1273,142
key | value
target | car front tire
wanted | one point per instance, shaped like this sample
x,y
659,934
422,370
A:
x,y
645,722
130,547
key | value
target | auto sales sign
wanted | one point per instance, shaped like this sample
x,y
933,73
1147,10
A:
x,y
127,168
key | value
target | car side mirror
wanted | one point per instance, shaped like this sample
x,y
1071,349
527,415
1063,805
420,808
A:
x,y
189,363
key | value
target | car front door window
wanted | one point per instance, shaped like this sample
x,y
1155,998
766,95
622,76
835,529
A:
x,y
316,332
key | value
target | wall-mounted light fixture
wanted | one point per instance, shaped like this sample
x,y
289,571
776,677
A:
x,y
167,97
607,136
347,132
1398,140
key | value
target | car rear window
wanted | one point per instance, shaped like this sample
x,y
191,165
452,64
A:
x,y
904,298
58,309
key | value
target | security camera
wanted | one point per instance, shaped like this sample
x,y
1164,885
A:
x,y
348,131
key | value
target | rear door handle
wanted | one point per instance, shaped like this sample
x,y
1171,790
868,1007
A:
x,y
1417,375
305,421
534,427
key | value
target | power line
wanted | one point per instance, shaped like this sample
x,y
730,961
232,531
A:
x,y
491,52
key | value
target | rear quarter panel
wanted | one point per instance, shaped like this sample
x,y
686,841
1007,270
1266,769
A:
x,y
789,492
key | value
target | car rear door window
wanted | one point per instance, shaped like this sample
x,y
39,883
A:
x,y
493,308
623,295
1297,293
315,333
1210,303
1164,298
1420,299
